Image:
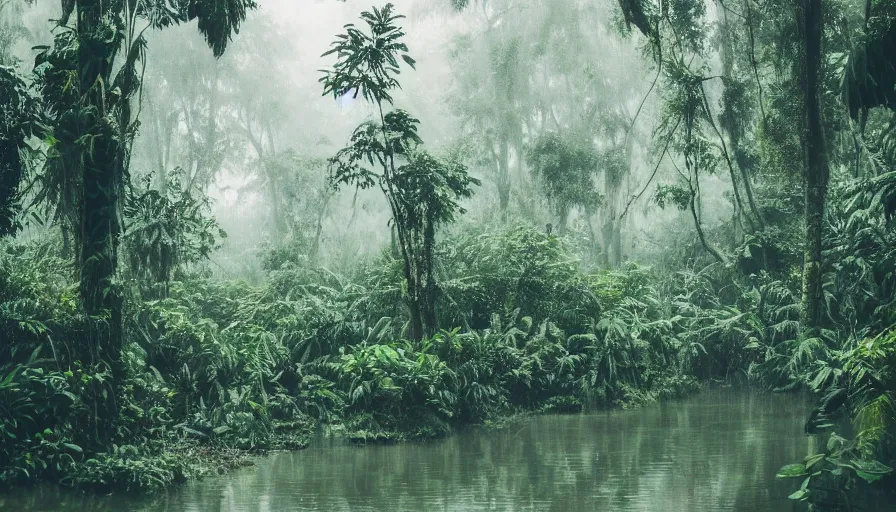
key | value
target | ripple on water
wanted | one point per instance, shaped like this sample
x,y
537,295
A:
x,y
717,451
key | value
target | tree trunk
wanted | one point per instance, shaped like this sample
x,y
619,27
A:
x,y
595,247
562,221
694,187
611,231
66,243
816,166
612,242
417,332
102,172
273,192
314,253
161,170
702,236
211,156
503,177
606,232
520,171
276,199
733,124
208,161
415,284
411,271
393,244
428,279
616,248
739,205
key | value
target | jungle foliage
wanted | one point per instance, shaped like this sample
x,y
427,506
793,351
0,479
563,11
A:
x,y
127,362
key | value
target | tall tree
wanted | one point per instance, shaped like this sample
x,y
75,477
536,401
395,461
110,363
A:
x,y
492,91
91,127
18,115
817,172
18,118
422,191
566,167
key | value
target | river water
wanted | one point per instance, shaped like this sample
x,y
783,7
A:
x,y
716,451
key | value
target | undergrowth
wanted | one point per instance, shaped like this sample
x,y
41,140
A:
x,y
216,370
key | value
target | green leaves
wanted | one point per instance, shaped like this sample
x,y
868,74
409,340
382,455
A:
x,y
422,191
673,195
166,231
834,467
792,470
18,120
637,12
799,494
218,20
428,189
73,447
393,388
372,146
566,164
868,470
368,61
869,76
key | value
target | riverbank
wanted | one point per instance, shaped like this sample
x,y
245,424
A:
x,y
158,468
716,450
215,368
224,365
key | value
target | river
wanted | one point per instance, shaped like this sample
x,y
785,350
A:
x,y
716,451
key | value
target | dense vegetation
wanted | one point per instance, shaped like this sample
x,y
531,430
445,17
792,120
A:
x,y
516,278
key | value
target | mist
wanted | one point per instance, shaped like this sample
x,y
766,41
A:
x,y
540,254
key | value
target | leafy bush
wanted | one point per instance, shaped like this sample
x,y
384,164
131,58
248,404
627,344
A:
x,y
502,271
393,390
227,365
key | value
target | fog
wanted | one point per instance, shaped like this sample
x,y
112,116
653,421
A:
x,y
228,229
505,70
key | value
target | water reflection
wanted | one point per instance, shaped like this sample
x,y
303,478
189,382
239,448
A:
x,y
717,451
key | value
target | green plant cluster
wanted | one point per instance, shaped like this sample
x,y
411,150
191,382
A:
x,y
226,365
220,366
123,365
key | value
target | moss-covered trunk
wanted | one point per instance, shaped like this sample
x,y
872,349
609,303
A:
x,y
102,171
816,166
503,180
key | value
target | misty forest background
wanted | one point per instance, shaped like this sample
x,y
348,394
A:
x,y
214,239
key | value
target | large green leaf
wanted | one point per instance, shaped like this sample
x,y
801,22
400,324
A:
x,y
792,470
